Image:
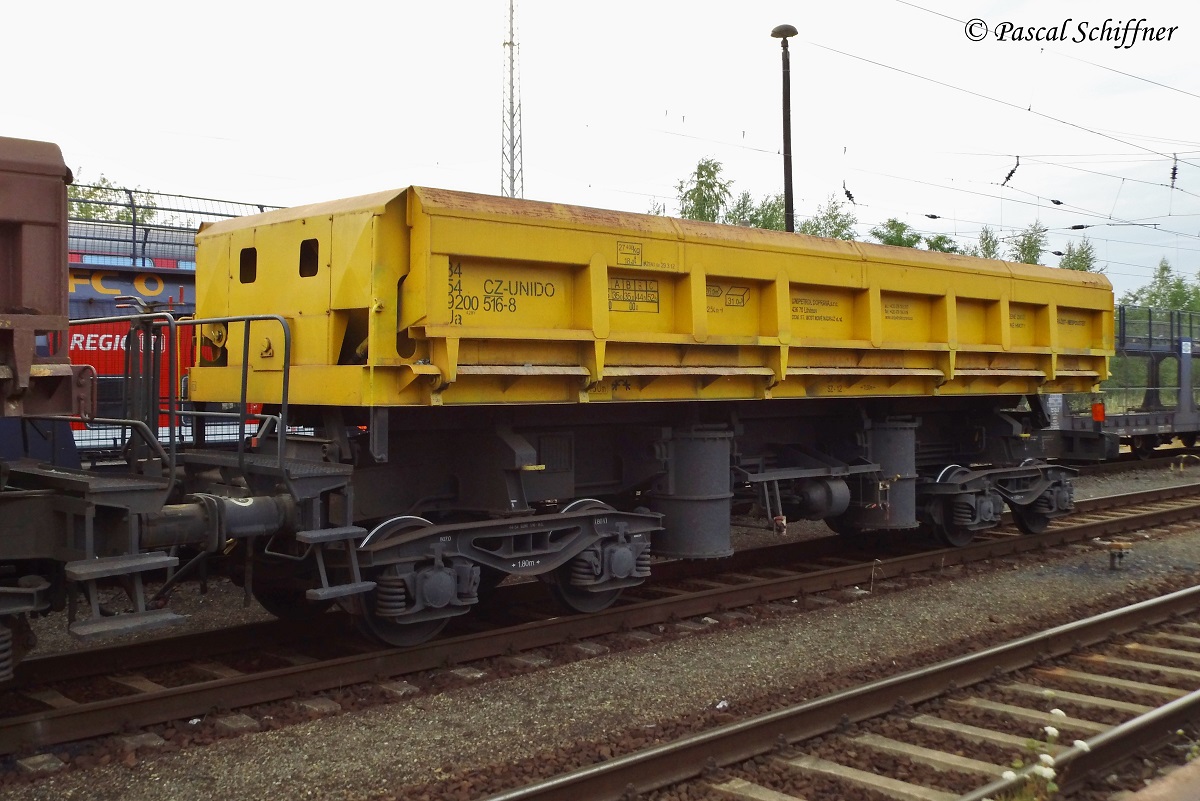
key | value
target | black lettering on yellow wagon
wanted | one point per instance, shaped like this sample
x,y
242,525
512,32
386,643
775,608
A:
x,y
633,295
456,301
518,289
816,310
629,254
500,294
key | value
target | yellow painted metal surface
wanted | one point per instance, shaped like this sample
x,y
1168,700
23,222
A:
x,y
429,297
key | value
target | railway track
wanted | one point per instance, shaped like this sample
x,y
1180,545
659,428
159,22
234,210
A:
x,y
141,686
1081,704
1155,460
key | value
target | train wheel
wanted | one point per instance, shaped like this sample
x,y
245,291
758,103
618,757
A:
x,y
288,603
400,635
279,586
841,525
1188,439
954,536
1143,447
575,599
387,629
569,596
16,640
489,580
1030,522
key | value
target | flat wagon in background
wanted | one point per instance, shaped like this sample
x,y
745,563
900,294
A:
x,y
1150,398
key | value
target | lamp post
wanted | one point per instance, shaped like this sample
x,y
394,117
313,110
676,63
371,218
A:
x,y
782,32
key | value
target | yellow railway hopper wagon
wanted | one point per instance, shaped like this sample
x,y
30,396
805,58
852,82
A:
x,y
427,297
543,389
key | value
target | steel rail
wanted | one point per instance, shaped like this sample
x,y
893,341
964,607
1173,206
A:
x,y
139,654
1076,766
132,656
670,763
99,718
1127,462
147,653
1126,740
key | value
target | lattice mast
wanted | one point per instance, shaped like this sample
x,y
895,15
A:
x,y
512,170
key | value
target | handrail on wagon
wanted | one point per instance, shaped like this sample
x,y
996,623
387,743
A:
x,y
247,319
147,322
1142,329
158,320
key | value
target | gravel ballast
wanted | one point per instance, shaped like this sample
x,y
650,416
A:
x,y
377,752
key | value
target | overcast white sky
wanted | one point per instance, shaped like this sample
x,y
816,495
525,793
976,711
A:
x,y
294,102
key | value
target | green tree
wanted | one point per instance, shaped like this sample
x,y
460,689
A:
x,y
105,201
769,213
657,207
766,213
1082,258
704,195
1166,290
988,246
741,211
830,221
942,244
895,232
1027,246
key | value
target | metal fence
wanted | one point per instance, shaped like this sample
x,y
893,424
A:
x,y
1140,329
130,230
119,227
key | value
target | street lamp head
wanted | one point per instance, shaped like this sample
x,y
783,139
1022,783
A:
x,y
784,31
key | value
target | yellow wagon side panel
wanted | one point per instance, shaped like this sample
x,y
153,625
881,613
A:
x,y
435,297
